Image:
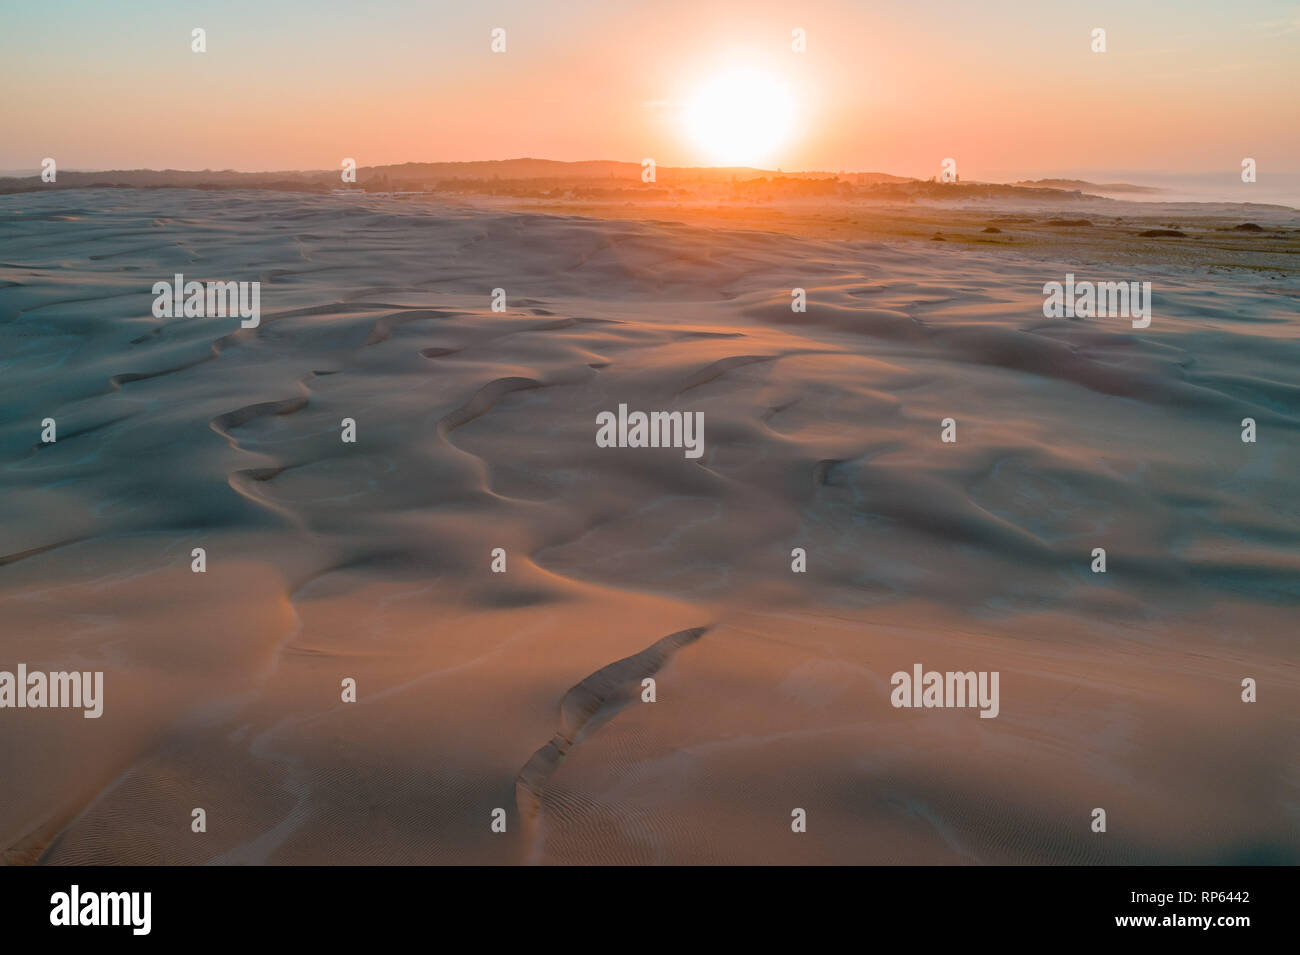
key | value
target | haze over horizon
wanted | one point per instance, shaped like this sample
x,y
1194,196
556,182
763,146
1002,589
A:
x,y
1151,186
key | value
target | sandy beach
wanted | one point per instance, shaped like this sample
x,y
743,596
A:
x,y
475,430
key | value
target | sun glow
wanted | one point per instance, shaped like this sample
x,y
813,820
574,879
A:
x,y
740,117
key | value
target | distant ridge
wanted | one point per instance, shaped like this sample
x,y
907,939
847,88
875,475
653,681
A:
x,y
418,175
1084,186
589,180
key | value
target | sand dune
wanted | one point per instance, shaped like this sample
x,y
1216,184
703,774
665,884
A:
x,y
475,430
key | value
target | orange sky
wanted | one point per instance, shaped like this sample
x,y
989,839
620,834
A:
x,y
1006,88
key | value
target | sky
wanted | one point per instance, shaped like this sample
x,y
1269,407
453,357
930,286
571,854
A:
x,y
1009,89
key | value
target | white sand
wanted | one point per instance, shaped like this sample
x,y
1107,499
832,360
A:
x,y
476,430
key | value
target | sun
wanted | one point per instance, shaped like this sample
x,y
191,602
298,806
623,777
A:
x,y
740,117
